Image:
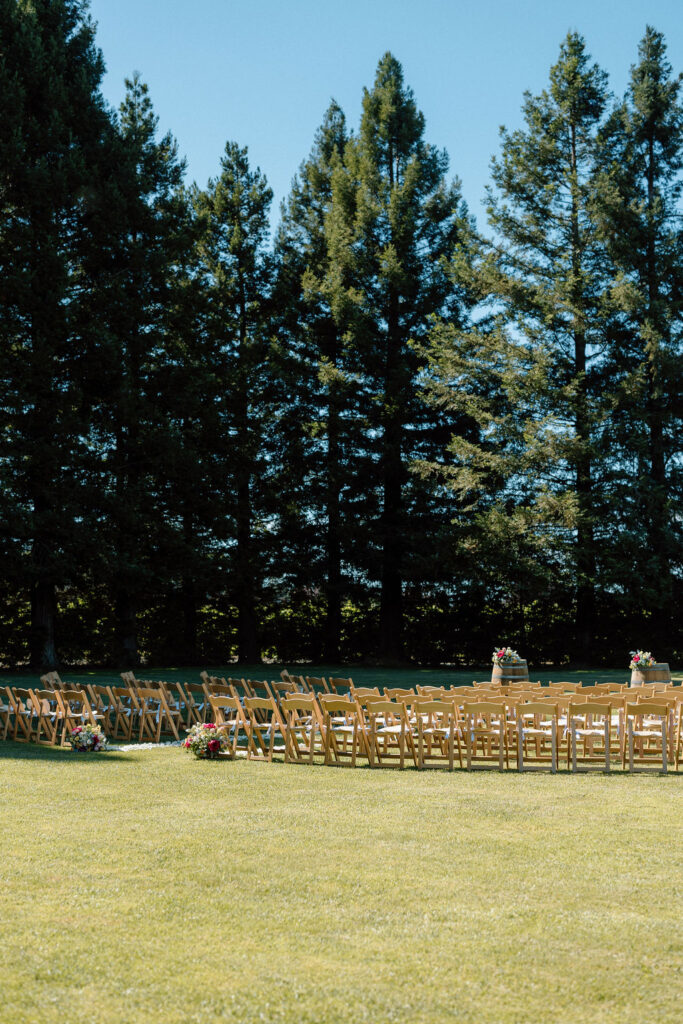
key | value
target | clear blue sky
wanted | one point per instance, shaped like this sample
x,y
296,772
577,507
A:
x,y
262,72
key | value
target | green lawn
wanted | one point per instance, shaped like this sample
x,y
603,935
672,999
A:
x,y
149,887
364,676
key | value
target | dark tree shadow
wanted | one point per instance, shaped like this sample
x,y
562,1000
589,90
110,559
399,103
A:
x,y
14,751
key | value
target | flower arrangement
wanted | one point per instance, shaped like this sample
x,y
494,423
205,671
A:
x,y
505,656
87,737
206,740
641,659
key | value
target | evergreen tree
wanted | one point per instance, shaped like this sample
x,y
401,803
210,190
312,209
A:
x,y
393,219
315,423
236,268
544,278
54,135
638,209
134,283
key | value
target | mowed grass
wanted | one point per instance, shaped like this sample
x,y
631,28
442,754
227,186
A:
x,y
362,675
149,887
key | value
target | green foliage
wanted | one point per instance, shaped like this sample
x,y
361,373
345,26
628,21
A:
x,y
382,436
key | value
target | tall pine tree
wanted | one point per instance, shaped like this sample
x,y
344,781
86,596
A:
x,y
55,134
394,218
236,268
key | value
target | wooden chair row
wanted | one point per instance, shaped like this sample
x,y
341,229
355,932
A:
x,y
344,730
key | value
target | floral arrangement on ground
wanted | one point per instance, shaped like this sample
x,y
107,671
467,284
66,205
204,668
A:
x,y
642,659
88,737
505,656
207,741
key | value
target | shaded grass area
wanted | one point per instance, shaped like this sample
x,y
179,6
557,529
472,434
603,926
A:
x,y
149,887
362,675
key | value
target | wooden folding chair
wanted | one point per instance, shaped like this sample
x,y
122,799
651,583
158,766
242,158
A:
x,y
228,716
439,731
6,710
340,685
591,723
24,713
263,721
537,728
47,715
303,721
398,692
360,692
342,734
52,681
102,705
648,735
74,710
125,711
486,725
244,687
156,714
195,704
316,685
390,734
278,688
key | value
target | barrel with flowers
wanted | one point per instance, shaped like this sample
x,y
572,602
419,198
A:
x,y
508,667
644,669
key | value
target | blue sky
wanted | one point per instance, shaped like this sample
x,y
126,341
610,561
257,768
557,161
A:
x,y
262,73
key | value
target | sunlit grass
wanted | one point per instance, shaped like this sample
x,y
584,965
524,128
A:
x,y
149,887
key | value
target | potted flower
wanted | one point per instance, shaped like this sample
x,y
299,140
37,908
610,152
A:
x,y
508,666
84,738
644,669
207,741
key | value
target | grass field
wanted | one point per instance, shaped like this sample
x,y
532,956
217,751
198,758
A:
x,y
148,887
362,675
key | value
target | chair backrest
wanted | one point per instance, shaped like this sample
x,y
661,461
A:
x,y
331,704
656,708
383,707
397,692
338,684
150,693
579,709
438,708
365,691
298,702
317,684
45,701
538,707
486,708
258,703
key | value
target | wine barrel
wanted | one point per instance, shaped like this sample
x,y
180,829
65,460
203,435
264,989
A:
x,y
513,672
658,673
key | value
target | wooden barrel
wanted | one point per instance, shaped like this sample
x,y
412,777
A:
x,y
513,672
658,673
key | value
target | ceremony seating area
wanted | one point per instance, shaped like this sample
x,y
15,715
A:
x,y
309,719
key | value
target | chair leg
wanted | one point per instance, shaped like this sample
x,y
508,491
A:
x,y
553,746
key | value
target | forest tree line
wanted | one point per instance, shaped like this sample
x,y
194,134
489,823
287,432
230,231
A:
x,y
377,431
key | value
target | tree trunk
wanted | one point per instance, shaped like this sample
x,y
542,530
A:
x,y
126,641
332,628
42,636
657,493
189,654
247,639
391,600
585,550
